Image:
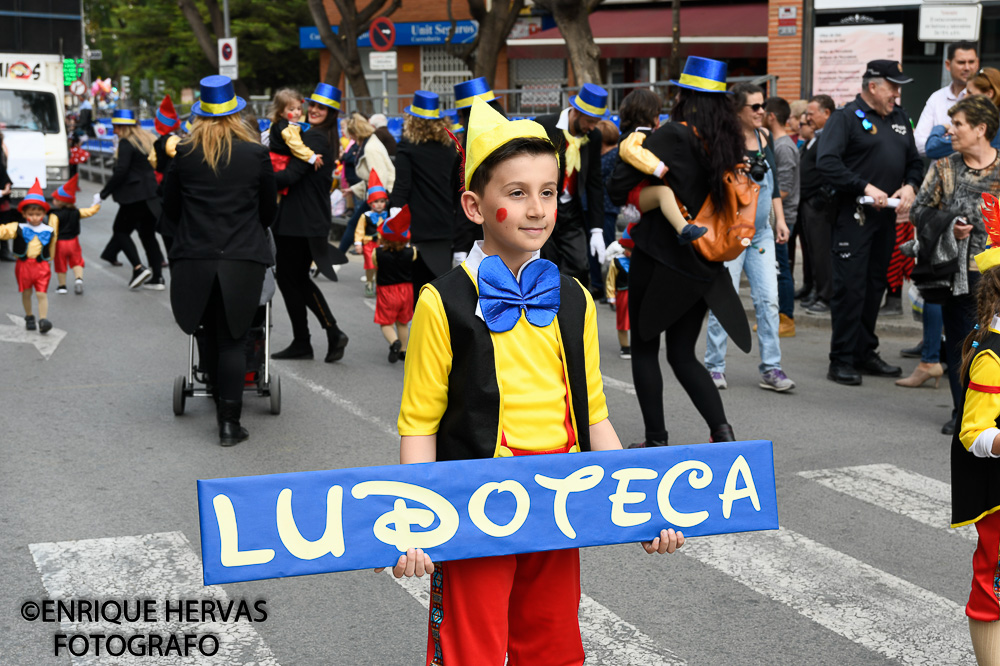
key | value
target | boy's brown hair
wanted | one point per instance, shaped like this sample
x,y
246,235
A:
x,y
528,145
609,133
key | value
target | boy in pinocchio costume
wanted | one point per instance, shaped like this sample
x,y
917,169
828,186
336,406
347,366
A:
x,y
33,244
975,448
366,233
503,361
66,218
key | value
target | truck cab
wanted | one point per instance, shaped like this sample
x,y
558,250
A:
x,y
32,113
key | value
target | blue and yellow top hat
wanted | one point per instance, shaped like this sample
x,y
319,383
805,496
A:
x,y
327,95
703,75
425,105
451,116
218,98
189,124
591,100
123,117
466,91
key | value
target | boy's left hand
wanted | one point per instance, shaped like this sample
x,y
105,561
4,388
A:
x,y
414,563
667,542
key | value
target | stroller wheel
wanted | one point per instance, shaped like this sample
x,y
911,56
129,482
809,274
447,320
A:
x,y
275,394
180,394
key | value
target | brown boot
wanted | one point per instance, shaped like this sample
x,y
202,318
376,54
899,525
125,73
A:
x,y
786,327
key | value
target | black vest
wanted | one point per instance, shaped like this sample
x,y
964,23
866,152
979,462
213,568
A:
x,y
975,482
470,426
621,275
393,267
69,222
20,247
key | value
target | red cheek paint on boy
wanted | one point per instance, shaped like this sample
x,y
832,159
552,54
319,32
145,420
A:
x,y
501,214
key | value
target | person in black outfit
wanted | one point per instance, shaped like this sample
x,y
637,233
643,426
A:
x,y
302,229
7,212
425,161
220,192
867,149
574,130
816,211
133,185
671,287
161,155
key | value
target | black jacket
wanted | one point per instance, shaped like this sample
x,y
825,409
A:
x,y
666,279
305,210
587,181
424,181
221,215
133,178
850,157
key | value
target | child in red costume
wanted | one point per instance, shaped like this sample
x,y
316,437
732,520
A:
x,y
366,233
285,134
616,289
33,243
66,218
539,392
393,260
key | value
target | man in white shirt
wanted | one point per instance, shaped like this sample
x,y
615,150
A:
x,y
962,64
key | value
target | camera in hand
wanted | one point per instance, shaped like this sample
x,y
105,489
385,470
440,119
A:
x,y
757,166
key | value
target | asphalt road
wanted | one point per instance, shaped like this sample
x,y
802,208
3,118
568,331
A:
x,y
97,484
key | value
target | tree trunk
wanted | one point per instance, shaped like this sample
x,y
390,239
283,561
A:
x,y
333,73
209,46
573,19
494,27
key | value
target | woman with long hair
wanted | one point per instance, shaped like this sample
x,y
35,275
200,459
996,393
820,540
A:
x,y
221,195
133,185
671,287
425,160
303,227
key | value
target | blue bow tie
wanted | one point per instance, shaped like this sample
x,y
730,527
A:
x,y
43,236
501,298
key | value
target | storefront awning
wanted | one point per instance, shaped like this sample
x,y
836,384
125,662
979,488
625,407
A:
x,y
733,31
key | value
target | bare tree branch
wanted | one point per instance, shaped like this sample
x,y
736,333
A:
x,y
215,14
209,47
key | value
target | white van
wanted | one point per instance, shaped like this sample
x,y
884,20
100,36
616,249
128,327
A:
x,y
32,114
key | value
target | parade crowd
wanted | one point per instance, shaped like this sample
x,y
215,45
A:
x,y
488,243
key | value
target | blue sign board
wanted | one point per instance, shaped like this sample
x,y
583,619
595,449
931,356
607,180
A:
x,y
304,523
407,34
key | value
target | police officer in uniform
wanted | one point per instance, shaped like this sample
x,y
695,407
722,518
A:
x,y
866,149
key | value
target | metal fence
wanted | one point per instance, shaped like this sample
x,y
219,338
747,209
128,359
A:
x,y
538,100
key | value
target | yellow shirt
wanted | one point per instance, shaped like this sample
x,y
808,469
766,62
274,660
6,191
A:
x,y
9,231
530,373
293,139
981,409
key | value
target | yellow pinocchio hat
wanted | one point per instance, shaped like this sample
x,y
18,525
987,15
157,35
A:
x,y
489,130
990,257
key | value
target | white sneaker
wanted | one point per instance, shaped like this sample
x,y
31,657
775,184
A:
x,y
720,380
155,285
78,287
61,289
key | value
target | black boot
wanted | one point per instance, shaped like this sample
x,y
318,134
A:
x,y
651,442
724,433
299,349
230,431
338,340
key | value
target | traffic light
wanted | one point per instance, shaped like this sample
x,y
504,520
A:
x,y
126,86
159,87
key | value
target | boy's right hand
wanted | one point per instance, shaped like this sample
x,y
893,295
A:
x,y
318,163
414,563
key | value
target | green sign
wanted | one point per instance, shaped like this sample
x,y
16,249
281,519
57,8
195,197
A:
x,y
72,70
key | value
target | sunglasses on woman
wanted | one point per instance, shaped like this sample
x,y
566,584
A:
x,y
865,123
755,107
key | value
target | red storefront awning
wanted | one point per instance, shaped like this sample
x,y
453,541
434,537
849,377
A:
x,y
733,31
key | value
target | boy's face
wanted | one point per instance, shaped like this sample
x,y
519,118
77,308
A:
x,y
379,205
517,208
34,215
294,111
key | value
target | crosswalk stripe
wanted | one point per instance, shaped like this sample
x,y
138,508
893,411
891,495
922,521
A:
x,y
919,497
160,567
872,608
608,639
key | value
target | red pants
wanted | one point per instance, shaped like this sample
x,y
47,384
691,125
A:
x,y
523,607
68,253
984,600
621,310
393,303
32,274
366,252
280,162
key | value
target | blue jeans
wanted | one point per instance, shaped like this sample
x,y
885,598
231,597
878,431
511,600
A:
x,y
933,319
786,285
758,262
